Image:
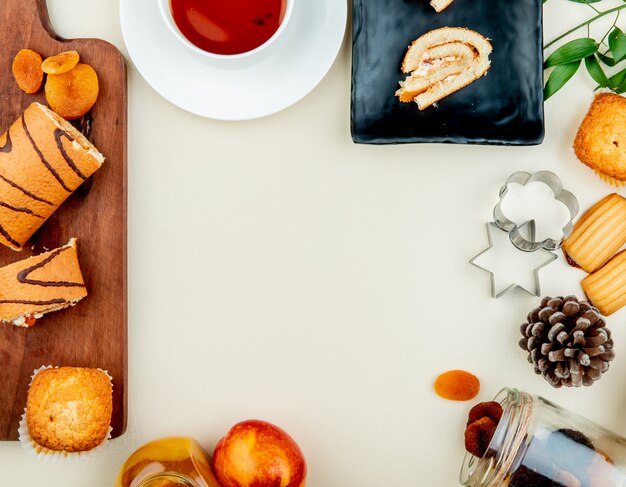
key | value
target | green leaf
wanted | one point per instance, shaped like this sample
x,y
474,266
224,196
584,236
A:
x,y
596,72
560,75
608,60
585,1
620,84
617,44
572,51
617,79
620,90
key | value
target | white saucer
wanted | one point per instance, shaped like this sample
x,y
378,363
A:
x,y
306,52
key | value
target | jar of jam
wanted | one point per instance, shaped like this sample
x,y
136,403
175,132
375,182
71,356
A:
x,y
168,462
539,444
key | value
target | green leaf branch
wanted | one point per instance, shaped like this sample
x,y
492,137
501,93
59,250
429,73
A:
x,y
596,54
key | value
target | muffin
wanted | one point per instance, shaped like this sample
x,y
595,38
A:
x,y
601,139
68,410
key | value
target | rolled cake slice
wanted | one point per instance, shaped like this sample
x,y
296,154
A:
x,y
46,282
598,234
439,5
438,60
435,65
606,287
43,159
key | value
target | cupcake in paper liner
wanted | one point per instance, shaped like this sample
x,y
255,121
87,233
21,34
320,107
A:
x,y
68,412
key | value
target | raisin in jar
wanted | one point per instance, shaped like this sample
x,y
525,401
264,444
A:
x,y
539,444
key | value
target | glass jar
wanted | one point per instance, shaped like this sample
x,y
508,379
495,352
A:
x,y
538,444
168,462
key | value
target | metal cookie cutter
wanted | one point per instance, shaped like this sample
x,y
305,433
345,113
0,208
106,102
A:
x,y
523,236
536,261
554,183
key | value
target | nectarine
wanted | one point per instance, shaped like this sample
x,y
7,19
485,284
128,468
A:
x,y
255,453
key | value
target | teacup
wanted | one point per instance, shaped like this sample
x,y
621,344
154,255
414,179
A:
x,y
233,32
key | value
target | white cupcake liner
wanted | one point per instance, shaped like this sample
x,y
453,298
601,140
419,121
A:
x,y
55,456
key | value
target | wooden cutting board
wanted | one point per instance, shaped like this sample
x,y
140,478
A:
x,y
94,332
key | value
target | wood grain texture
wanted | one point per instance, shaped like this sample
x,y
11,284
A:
x,y
94,332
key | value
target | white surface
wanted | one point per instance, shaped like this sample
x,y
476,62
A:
x,y
278,271
242,89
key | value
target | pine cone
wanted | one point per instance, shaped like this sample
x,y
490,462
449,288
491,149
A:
x,y
567,341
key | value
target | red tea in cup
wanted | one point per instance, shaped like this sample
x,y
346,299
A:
x,y
228,26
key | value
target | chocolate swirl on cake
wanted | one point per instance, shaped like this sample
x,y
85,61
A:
x,y
58,133
8,145
25,191
42,158
22,276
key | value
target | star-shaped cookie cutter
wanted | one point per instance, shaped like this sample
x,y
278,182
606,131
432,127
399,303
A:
x,y
529,228
554,183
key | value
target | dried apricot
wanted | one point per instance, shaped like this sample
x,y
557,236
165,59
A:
x,y
478,435
457,385
27,70
481,426
61,63
72,94
490,409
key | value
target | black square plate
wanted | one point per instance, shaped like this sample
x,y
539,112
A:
x,y
504,107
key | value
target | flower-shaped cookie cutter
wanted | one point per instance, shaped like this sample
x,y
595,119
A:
x,y
554,183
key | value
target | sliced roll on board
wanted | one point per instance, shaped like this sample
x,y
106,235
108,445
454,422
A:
x,y
441,62
41,284
43,159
